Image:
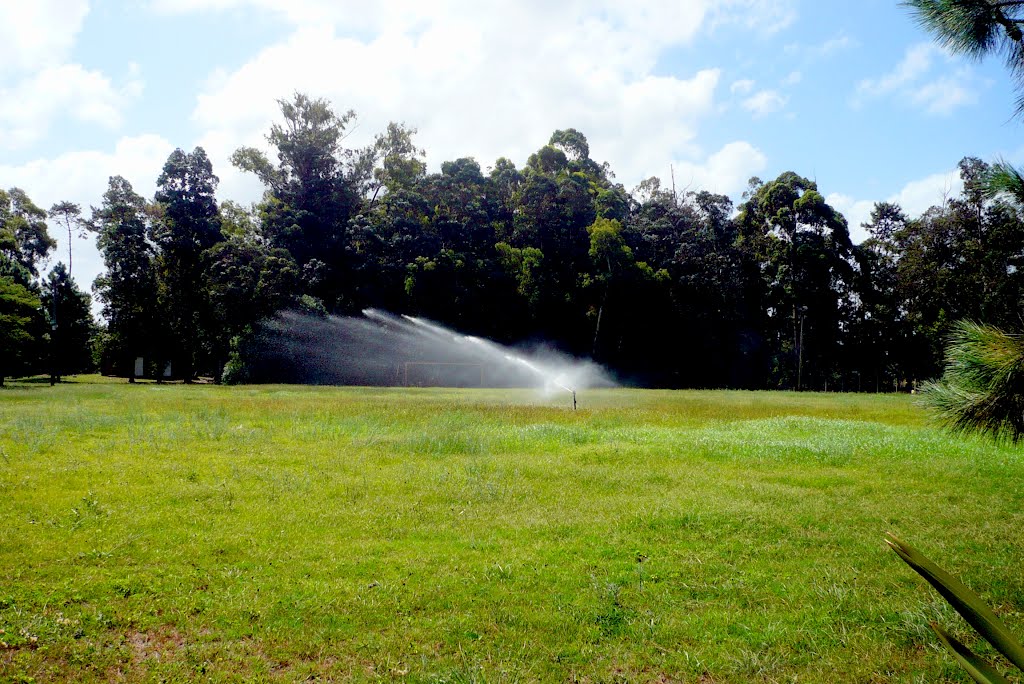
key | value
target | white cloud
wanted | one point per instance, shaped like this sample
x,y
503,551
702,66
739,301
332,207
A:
x,y
856,212
944,94
357,15
489,81
659,19
915,63
832,46
914,198
764,102
82,177
38,83
234,185
742,86
792,78
913,80
726,171
29,108
918,196
764,16
35,34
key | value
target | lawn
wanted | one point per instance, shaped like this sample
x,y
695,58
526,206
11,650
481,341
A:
x,y
280,533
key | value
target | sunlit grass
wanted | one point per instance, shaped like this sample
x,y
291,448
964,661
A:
x,y
284,533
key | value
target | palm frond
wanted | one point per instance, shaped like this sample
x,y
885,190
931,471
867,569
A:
x,y
970,607
982,388
967,27
1004,179
976,28
977,667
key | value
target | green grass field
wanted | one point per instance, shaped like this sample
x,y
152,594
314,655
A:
x,y
172,533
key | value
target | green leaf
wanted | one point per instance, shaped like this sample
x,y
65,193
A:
x,y
979,669
963,600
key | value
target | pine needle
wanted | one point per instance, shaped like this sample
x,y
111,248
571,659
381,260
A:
x,y
982,388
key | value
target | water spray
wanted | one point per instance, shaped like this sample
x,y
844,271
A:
x,y
373,350
487,346
547,376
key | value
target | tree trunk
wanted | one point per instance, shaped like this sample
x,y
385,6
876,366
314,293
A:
x,y
600,309
69,246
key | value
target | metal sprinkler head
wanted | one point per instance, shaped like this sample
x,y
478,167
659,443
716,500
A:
x,y
574,400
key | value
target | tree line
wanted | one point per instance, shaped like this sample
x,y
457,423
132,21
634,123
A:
x,y
667,288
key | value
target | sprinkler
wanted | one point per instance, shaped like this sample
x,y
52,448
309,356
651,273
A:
x,y
574,400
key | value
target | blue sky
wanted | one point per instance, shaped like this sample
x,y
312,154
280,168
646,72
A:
x,y
851,94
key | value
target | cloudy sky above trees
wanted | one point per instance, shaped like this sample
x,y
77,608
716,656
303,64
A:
x,y
853,95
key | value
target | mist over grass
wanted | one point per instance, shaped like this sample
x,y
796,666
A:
x,y
383,349
285,533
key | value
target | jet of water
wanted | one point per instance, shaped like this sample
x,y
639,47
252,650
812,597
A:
x,y
380,348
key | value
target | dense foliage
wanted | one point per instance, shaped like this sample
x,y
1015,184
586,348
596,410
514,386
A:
x,y
667,288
